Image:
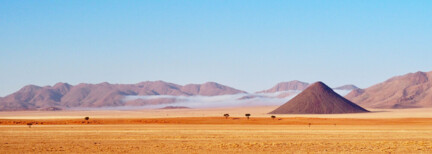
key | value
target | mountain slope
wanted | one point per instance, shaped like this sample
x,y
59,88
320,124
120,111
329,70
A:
x,y
407,91
318,98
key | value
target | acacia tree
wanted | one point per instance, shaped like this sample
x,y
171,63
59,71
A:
x,y
226,115
86,118
273,117
248,115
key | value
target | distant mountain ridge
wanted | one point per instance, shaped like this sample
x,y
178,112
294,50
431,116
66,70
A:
x,y
299,86
347,87
412,90
291,88
64,95
286,86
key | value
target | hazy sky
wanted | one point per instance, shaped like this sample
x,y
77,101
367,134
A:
x,y
249,45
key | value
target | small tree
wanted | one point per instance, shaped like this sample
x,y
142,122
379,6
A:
x,y
309,124
248,115
273,117
29,124
87,119
226,115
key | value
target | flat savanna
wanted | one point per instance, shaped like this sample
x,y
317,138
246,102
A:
x,y
237,134
235,138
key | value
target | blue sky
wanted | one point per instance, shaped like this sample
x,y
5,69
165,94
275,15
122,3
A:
x,y
249,45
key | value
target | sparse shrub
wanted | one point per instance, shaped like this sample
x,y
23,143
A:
x,y
273,117
248,115
29,124
226,115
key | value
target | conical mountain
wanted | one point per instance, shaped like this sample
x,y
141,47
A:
x,y
318,98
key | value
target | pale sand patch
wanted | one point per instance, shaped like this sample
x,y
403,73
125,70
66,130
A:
x,y
214,112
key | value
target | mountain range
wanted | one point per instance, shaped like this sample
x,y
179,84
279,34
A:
x,y
412,90
64,95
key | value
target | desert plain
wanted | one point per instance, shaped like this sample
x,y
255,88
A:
x,y
207,131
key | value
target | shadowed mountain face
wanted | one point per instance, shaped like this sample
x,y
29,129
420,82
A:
x,y
64,95
408,91
318,98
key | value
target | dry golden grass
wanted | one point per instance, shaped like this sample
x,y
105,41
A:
x,y
193,138
206,131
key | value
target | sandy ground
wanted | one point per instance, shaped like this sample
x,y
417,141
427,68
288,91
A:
x,y
206,131
222,121
236,112
215,139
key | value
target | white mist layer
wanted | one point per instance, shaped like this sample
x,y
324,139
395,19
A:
x,y
236,100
